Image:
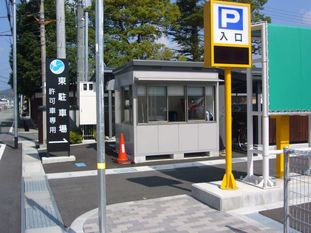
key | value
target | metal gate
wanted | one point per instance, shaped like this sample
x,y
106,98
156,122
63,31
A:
x,y
297,190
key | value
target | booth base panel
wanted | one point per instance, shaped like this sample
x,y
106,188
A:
x,y
175,156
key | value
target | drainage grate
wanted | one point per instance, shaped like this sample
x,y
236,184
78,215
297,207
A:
x,y
35,186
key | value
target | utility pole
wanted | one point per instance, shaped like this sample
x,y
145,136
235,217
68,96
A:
x,y
15,78
42,22
60,29
43,69
80,43
86,46
101,165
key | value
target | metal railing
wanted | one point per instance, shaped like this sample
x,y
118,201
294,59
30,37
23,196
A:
x,y
297,190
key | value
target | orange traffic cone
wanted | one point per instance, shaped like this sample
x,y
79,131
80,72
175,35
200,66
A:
x,y
122,158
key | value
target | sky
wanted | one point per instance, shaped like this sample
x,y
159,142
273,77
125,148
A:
x,y
5,43
286,12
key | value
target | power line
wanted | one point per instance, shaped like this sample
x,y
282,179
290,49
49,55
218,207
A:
x,y
289,19
281,10
6,79
3,77
293,21
298,17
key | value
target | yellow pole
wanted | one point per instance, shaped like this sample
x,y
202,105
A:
x,y
282,140
228,182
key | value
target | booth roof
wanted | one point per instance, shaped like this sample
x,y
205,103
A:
x,y
163,65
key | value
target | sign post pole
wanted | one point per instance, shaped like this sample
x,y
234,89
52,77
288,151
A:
x,y
100,132
228,45
282,141
228,181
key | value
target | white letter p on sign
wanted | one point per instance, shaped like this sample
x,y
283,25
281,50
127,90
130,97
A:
x,y
234,17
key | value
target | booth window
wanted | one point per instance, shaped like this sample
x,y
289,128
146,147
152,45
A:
x,y
127,115
210,103
142,104
196,103
176,103
157,104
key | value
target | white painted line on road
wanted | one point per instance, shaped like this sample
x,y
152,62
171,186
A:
x,y
2,148
63,175
114,171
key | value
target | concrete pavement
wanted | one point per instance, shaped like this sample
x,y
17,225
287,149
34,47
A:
x,y
177,214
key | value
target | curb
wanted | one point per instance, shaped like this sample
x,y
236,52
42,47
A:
x,y
77,224
58,159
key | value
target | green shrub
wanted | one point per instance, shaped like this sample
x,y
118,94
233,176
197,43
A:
x,y
94,134
75,136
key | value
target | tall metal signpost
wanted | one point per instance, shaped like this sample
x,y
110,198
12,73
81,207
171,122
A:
x,y
101,165
15,78
228,45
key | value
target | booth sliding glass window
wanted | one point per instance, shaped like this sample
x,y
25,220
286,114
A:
x,y
127,106
142,104
196,103
176,103
157,104
210,103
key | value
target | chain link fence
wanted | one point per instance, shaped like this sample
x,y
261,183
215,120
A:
x,y
297,190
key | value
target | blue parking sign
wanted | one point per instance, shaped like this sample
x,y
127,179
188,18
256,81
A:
x,y
231,23
230,18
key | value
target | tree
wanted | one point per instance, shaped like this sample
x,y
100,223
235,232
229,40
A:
x,y
188,32
132,29
28,43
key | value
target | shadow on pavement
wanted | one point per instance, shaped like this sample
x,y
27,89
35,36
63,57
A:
x,y
35,205
157,181
200,174
235,229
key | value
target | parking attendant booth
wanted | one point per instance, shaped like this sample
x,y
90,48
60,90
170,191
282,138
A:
x,y
167,108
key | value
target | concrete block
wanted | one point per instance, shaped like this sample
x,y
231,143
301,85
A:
x,y
58,159
245,196
214,153
138,159
178,156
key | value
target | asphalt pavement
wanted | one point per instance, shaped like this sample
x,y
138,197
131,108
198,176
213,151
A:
x,y
86,159
10,195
